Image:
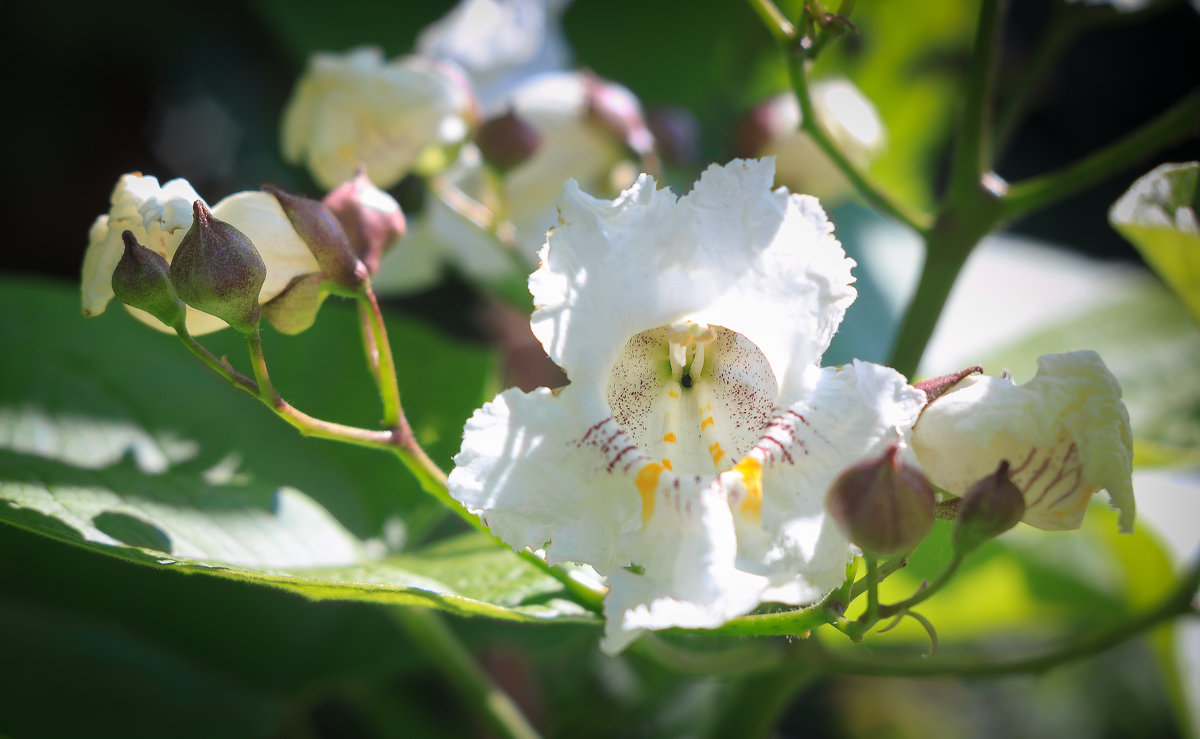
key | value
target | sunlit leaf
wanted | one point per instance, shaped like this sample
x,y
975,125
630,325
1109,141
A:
x,y
113,438
1158,216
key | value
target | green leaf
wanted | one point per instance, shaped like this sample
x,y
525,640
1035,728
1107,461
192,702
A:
x,y
113,438
1158,216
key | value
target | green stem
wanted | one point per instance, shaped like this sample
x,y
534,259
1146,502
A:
x,y
811,124
399,441
925,592
944,259
385,375
446,653
773,18
1178,602
1175,124
872,613
972,147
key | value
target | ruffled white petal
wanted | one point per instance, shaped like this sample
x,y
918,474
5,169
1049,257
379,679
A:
x,y
730,253
1065,433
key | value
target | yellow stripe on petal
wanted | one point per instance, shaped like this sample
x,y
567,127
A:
x,y
751,471
647,484
669,437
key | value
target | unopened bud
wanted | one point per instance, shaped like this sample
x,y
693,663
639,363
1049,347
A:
x,y
989,508
761,125
216,269
617,110
142,279
882,505
295,309
506,141
371,218
320,230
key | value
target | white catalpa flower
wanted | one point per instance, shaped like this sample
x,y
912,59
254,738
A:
x,y
689,457
1065,434
773,129
358,108
159,217
498,44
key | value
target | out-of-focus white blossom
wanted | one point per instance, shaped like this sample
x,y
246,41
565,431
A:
x,y
499,44
358,108
575,141
773,129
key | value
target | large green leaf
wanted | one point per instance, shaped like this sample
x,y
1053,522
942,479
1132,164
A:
x,y
113,438
1158,216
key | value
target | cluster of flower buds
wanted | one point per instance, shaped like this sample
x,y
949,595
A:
x,y
887,506
256,254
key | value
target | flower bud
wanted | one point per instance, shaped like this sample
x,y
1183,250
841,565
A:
x,y
990,507
882,505
216,269
506,141
617,110
322,233
371,218
295,309
142,280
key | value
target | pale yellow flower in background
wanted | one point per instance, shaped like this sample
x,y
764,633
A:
x,y
358,108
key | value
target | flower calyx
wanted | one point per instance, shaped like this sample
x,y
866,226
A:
x,y
142,280
883,505
990,507
321,231
935,387
217,269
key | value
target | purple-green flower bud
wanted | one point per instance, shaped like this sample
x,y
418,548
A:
x,y
371,218
319,229
295,309
216,269
882,505
142,280
506,141
990,507
936,387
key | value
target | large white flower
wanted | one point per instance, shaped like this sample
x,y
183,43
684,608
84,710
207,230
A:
x,y
358,108
159,217
1065,434
689,457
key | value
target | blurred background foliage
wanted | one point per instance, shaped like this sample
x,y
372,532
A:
x,y
98,646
